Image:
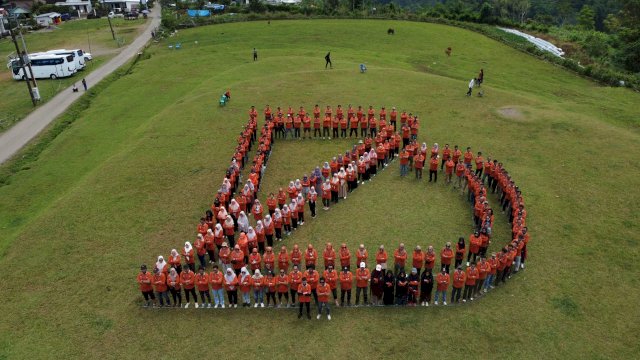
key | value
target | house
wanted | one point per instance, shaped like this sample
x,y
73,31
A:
x,y
83,6
124,5
49,19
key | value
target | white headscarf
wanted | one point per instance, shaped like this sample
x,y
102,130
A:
x,y
234,206
160,264
173,274
251,234
174,253
259,225
229,276
244,273
187,247
243,222
298,184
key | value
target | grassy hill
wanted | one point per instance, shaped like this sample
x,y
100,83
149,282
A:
x,y
129,179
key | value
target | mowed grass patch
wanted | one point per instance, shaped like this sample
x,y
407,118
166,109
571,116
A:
x,y
130,178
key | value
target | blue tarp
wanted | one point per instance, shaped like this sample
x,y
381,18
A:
x,y
196,13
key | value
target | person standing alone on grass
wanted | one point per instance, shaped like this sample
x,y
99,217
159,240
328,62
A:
x,y
327,58
255,54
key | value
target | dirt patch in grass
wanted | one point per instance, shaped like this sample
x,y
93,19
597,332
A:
x,y
511,113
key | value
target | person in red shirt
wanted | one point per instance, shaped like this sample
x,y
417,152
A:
x,y
491,275
323,298
346,282
216,279
479,164
433,168
361,254
295,278
304,297
188,281
331,276
461,174
399,258
343,127
418,259
381,257
282,286
329,256
442,281
448,173
404,162
310,257
446,254
145,280
159,280
418,164
363,276
472,276
202,283
173,283
474,246
345,257
231,285
269,285
237,259
483,270
459,278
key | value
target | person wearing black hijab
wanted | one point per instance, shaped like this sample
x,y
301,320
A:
x,y
402,286
389,284
426,287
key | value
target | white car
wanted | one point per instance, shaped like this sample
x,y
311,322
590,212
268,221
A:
x,y
87,56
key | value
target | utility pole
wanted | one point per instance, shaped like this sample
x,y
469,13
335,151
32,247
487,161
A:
x,y
21,58
33,78
113,34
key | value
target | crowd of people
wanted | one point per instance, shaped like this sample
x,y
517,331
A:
x,y
238,259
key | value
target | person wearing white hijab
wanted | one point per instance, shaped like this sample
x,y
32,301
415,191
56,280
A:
x,y
175,260
245,278
335,188
161,265
252,239
243,222
258,291
373,158
342,191
234,211
229,226
286,213
173,281
222,214
326,194
327,168
300,209
312,196
189,256
231,282
294,213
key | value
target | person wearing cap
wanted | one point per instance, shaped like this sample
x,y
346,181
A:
x,y
377,285
362,254
323,298
400,258
188,281
304,297
442,280
331,277
381,257
295,279
471,275
363,276
145,280
446,254
459,279
402,285
426,287
346,282
412,290
216,279
231,285
224,257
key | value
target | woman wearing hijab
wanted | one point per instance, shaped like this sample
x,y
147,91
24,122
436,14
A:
x,y
162,265
367,167
286,217
352,184
312,196
274,225
460,249
258,210
291,190
261,232
234,211
377,285
401,288
187,252
173,281
222,215
326,194
229,230
342,176
242,222
252,240
300,208
210,245
389,285
426,287
218,236
231,285
293,210
175,260
245,284
373,159
298,184
258,290
326,171
335,188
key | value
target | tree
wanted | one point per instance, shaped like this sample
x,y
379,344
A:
x,y
587,17
520,8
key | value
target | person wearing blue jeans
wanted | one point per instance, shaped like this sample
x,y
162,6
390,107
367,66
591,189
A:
x,y
491,276
258,291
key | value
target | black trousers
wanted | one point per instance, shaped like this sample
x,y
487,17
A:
x,y
312,207
293,296
232,295
353,131
364,291
434,174
191,292
342,294
177,296
468,291
308,309
316,132
206,294
455,294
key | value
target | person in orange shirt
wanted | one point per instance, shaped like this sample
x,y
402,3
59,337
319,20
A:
x,y
418,164
381,257
145,280
399,258
159,280
429,259
345,257
414,283
237,259
231,285
312,278
283,259
445,257
471,275
269,285
329,256
216,279
483,270
448,173
173,283
404,162
202,227
474,246
295,278
343,127
479,164
304,297
491,275
282,286
459,278
202,283
353,126
361,254
331,276
433,168
363,276
175,260
346,282
310,257
442,281
335,124
188,282
255,260
323,298
200,249
187,252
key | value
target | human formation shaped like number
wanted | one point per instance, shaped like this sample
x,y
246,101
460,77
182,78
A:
x,y
241,258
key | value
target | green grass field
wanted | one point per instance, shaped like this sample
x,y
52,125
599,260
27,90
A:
x,y
92,36
130,178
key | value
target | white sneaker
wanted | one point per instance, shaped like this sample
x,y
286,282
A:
x,y
209,306
464,300
522,266
444,303
436,303
186,306
471,299
215,306
467,264
235,305
222,306
261,304
318,317
485,290
426,304
255,305
328,317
